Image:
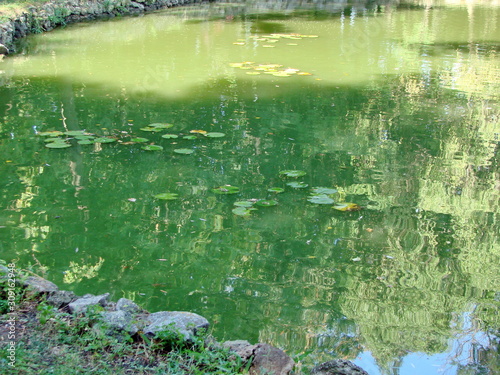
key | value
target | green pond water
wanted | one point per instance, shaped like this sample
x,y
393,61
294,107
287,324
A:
x,y
396,108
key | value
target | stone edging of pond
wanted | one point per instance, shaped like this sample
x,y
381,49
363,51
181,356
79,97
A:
x,y
126,317
54,13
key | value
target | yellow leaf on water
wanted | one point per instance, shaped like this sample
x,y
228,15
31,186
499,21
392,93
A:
x,y
347,206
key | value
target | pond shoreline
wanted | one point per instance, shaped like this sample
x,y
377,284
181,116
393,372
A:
x,y
36,303
51,14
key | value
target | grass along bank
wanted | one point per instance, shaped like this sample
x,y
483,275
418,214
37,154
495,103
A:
x,y
10,9
37,338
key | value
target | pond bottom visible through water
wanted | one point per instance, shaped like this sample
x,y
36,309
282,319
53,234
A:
x,y
351,211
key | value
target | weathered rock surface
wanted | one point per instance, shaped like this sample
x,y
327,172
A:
x,y
269,360
61,298
82,304
3,50
338,367
129,306
185,323
242,348
119,321
37,285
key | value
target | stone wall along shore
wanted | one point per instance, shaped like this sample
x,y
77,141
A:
x,y
49,15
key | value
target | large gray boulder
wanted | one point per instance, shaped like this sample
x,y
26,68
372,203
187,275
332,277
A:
x,y
3,50
82,304
338,367
184,323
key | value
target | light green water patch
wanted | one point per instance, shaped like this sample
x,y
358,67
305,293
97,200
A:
x,y
163,55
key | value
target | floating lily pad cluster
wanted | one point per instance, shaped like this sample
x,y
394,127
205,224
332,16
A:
x,y
269,41
276,70
58,139
317,195
245,208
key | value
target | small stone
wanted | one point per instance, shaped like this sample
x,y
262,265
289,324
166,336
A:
x,y
242,348
119,321
338,367
61,298
185,323
128,306
82,304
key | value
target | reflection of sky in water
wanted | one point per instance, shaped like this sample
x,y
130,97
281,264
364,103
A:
x,y
460,354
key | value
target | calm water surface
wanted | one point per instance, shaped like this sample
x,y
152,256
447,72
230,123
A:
x,y
396,108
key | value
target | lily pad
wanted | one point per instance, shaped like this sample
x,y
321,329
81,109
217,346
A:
x,y
85,142
104,140
266,203
246,204
150,129
276,190
242,211
139,140
297,185
215,135
292,173
185,151
60,144
320,199
158,125
346,206
49,140
152,148
84,136
226,189
167,196
76,132
51,133
324,190
170,136
189,137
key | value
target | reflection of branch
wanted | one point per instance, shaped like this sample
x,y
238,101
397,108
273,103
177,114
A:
x,y
63,118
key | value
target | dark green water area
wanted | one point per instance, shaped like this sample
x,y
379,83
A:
x,y
322,179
